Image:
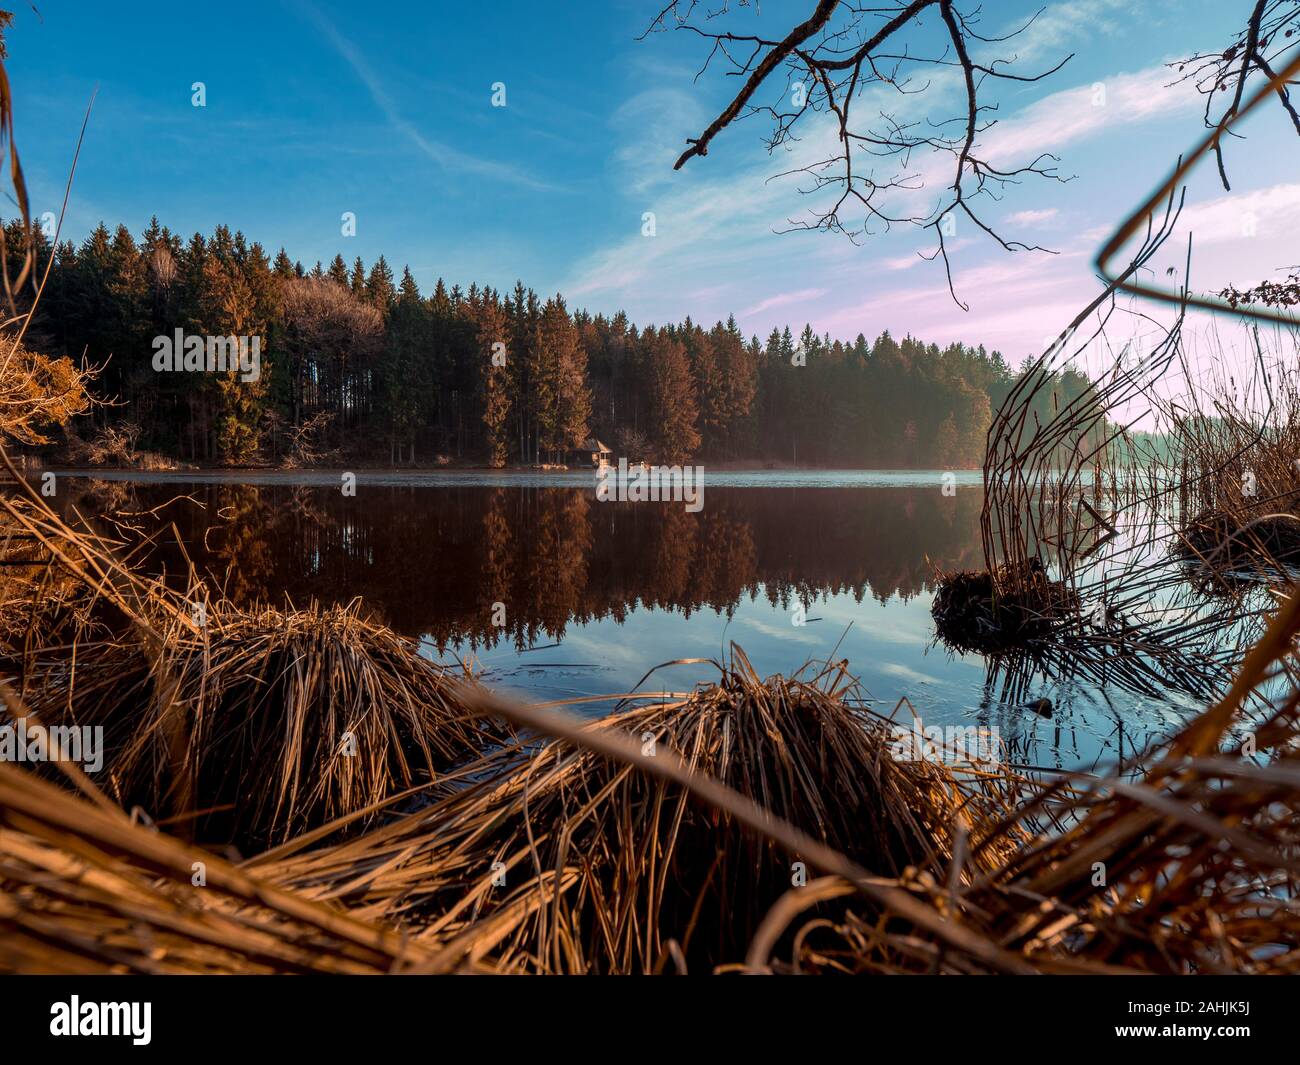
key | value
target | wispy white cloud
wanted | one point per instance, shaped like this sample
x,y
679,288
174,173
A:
x,y
1245,216
1252,234
448,157
1057,26
654,124
906,262
1017,302
1032,217
784,299
1068,116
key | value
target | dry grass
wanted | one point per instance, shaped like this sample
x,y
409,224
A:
x,y
114,446
37,393
1238,483
277,721
663,838
572,861
85,891
1247,540
37,600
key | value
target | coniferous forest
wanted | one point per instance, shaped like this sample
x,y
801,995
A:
x,y
358,363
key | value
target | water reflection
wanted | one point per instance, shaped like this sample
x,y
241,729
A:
x,y
432,563
590,595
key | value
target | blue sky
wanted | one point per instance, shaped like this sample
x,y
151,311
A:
x,y
313,111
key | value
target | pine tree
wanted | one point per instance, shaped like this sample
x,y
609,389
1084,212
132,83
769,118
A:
x,y
572,395
228,308
737,383
283,268
672,402
492,327
526,315
946,447
379,285
406,341
710,387
563,403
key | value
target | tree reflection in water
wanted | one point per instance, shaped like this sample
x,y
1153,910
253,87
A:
x,y
432,562
625,586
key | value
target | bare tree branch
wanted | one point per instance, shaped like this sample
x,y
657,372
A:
x,y
831,60
1270,31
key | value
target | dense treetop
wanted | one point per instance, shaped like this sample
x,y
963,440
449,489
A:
x,y
374,368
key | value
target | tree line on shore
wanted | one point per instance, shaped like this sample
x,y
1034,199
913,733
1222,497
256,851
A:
x,y
358,363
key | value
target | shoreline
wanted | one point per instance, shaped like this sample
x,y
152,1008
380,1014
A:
x,y
524,478
719,467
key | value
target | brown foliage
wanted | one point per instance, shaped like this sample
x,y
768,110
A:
x,y
37,393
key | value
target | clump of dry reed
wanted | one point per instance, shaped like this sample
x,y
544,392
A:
x,y
572,861
113,446
1238,483
83,890
1187,866
991,612
274,721
1219,539
38,600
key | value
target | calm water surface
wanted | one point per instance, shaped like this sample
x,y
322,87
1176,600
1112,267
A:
x,y
596,594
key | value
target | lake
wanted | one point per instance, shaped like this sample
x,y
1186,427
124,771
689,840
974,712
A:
x,y
554,594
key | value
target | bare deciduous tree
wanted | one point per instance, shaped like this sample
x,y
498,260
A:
x,y
331,330
833,64
303,444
